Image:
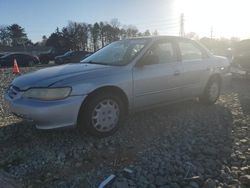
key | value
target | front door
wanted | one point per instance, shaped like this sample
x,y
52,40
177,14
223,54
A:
x,y
158,81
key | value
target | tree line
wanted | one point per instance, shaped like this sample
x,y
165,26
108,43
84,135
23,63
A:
x,y
74,36
13,35
91,37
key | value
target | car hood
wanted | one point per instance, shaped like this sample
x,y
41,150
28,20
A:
x,y
48,76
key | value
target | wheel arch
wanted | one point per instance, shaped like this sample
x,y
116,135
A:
x,y
112,89
216,76
212,76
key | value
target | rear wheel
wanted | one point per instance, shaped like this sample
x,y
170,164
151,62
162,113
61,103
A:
x,y
211,92
102,115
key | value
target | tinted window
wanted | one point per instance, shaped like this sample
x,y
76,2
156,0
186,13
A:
x,y
27,57
19,58
165,52
189,51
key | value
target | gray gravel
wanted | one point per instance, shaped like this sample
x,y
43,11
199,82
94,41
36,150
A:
x,y
180,145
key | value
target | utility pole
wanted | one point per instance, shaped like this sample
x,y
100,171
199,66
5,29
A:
x,y
211,33
181,33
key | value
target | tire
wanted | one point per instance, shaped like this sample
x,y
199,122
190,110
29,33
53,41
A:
x,y
102,115
211,92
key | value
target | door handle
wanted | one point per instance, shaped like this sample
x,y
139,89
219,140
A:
x,y
177,73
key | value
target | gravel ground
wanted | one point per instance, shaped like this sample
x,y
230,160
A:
x,y
182,145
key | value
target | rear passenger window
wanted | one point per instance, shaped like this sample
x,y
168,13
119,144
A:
x,y
189,51
165,52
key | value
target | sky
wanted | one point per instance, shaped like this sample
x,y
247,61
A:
x,y
226,18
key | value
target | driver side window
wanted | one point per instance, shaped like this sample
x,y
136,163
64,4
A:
x,y
164,52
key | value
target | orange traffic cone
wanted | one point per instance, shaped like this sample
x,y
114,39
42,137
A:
x,y
15,69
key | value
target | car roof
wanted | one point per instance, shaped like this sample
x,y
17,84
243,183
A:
x,y
15,53
161,37
18,53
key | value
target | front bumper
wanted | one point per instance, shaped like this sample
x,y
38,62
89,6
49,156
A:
x,y
47,114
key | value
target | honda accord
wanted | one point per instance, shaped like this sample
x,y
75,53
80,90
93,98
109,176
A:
x,y
125,76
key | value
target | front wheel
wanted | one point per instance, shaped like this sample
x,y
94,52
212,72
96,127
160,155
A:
x,y
102,115
211,92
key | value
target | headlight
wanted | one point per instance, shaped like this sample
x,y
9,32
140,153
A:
x,y
47,93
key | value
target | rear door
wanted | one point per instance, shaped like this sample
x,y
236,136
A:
x,y
157,83
194,68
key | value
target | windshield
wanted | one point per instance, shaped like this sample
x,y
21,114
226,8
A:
x,y
5,56
118,53
69,53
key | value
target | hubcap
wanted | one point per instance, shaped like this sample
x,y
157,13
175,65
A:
x,y
105,115
213,91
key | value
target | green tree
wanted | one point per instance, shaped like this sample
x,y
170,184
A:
x,y
56,40
147,33
130,31
17,35
4,36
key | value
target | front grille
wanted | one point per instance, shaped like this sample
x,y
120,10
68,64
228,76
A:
x,y
13,91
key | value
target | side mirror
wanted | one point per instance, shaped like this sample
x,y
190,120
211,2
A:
x,y
148,60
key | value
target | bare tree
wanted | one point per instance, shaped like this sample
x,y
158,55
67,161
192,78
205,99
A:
x,y
101,25
82,36
130,31
95,33
77,34
115,23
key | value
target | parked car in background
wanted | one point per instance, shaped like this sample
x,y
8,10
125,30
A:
x,y
23,60
2,54
46,57
125,76
240,66
71,57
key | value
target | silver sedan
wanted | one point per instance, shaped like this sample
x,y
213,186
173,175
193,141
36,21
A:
x,y
125,76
